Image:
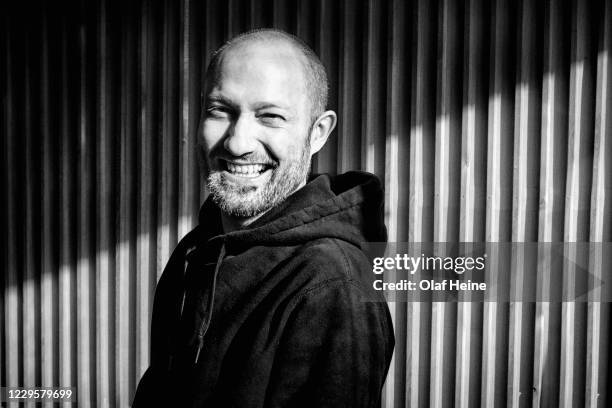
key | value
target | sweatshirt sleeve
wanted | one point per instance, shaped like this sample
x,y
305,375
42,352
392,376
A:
x,y
334,352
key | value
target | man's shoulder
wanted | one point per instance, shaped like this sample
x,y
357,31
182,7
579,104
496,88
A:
x,y
334,259
189,240
178,256
331,249
334,270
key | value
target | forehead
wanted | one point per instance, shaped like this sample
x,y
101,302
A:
x,y
261,72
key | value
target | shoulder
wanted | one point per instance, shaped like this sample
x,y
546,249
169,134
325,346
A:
x,y
340,257
340,291
331,263
174,268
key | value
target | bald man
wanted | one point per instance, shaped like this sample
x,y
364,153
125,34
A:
x,y
268,301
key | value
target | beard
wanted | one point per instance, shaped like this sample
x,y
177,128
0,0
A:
x,y
245,201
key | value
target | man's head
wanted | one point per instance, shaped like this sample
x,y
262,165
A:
x,y
263,117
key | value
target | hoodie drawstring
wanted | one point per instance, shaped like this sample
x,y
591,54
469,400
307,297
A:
x,y
211,300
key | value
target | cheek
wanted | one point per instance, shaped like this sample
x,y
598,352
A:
x,y
288,147
212,133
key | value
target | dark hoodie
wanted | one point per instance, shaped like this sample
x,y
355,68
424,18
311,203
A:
x,y
275,315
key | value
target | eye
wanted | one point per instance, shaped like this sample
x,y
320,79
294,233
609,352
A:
x,y
272,119
219,112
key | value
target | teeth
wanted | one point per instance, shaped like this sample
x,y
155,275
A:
x,y
247,170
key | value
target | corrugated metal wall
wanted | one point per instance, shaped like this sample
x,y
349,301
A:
x,y
488,121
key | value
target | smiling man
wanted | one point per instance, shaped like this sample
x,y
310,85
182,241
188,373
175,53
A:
x,y
259,128
268,302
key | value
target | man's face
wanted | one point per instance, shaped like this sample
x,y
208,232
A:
x,y
254,131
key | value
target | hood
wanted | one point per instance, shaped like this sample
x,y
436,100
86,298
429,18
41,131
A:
x,y
348,207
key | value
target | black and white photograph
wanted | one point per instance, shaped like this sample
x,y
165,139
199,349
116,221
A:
x,y
305,203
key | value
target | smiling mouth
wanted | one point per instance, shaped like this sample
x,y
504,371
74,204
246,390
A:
x,y
250,170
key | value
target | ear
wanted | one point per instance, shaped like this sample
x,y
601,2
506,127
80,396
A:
x,y
321,130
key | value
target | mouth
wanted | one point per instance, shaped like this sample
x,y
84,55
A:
x,y
245,170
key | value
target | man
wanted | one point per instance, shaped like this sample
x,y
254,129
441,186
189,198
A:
x,y
266,303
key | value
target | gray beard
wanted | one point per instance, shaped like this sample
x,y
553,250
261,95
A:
x,y
249,201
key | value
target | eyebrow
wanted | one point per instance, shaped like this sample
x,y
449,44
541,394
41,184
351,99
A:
x,y
219,99
267,105
256,106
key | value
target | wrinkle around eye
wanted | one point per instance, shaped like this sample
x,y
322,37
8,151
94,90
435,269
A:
x,y
272,119
272,122
216,112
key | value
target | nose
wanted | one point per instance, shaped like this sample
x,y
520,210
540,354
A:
x,y
240,139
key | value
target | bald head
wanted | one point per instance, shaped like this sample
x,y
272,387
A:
x,y
312,72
